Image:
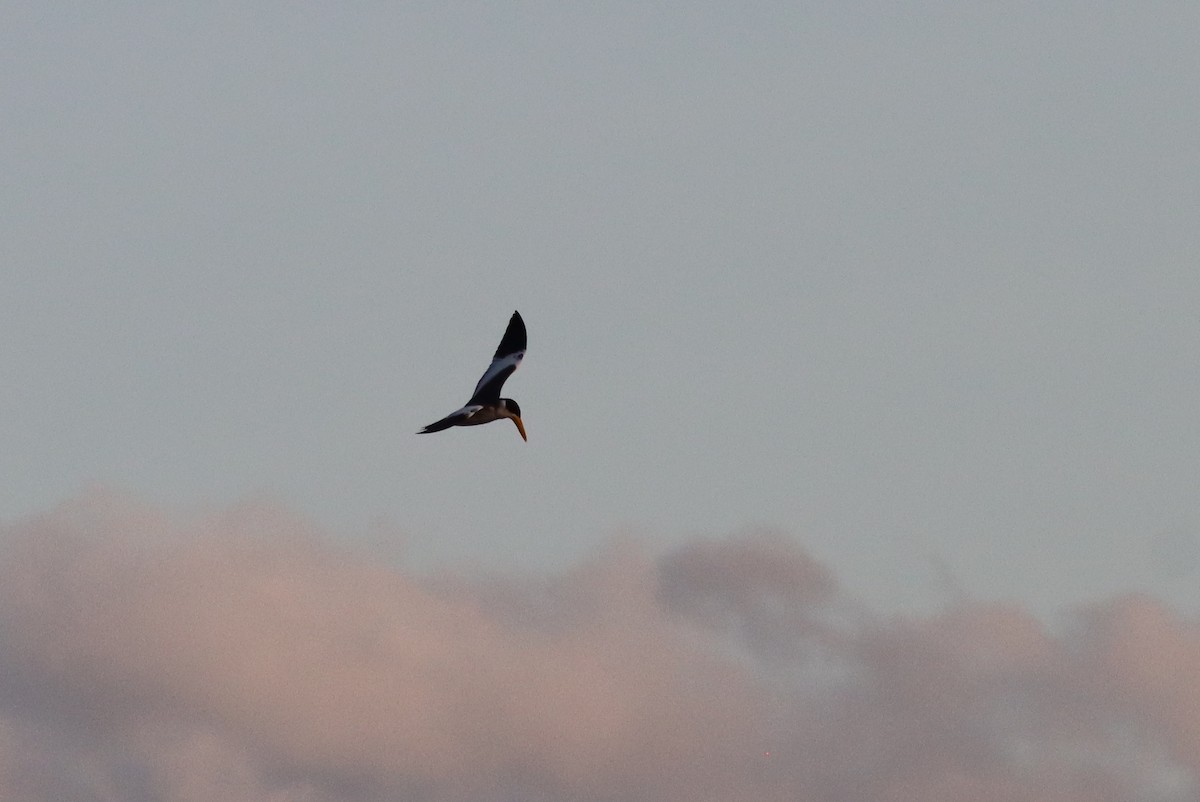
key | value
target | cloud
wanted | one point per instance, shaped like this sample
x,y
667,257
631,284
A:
x,y
240,656
759,588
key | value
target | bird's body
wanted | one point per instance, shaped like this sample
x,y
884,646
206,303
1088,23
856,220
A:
x,y
486,405
470,415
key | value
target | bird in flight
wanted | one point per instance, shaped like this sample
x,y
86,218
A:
x,y
486,405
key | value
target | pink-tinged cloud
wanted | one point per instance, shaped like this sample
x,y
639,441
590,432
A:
x,y
240,657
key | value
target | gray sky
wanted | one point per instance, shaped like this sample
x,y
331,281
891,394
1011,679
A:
x,y
861,393
915,285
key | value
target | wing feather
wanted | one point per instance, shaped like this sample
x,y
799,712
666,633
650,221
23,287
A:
x,y
455,418
507,359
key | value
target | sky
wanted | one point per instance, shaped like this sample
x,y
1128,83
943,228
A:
x,y
860,394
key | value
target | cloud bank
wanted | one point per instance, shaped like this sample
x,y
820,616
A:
x,y
241,657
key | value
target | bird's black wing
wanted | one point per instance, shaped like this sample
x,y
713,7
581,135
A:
x,y
507,359
455,418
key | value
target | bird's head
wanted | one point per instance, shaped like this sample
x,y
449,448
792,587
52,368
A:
x,y
512,411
